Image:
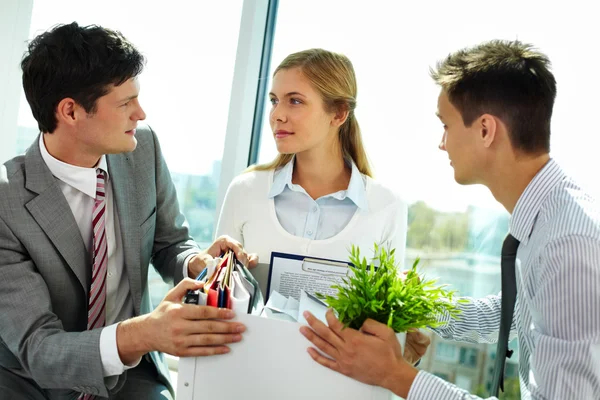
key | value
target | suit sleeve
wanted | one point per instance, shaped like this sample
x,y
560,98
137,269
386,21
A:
x,y
172,242
35,335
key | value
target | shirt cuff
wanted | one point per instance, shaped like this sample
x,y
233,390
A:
x,y
427,386
185,265
109,353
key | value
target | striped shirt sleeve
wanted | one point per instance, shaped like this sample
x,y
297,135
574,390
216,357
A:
x,y
478,322
429,387
566,361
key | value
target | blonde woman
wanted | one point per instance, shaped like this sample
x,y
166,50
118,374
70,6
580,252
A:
x,y
317,197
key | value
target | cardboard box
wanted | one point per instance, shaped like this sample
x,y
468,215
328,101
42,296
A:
x,y
271,362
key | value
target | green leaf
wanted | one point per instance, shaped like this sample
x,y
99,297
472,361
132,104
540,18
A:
x,y
375,290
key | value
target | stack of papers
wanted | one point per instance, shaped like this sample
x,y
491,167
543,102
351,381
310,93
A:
x,y
292,310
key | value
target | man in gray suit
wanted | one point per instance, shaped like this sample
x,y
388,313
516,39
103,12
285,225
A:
x,y
82,215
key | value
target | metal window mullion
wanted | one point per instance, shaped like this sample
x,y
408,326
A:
x,y
246,104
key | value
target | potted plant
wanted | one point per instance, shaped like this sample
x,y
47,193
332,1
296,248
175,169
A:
x,y
380,291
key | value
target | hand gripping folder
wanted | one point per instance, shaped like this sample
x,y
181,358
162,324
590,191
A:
x,y
228,285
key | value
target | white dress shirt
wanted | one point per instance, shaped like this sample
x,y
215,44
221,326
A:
x,y
557,313
249,216
78,185
323,218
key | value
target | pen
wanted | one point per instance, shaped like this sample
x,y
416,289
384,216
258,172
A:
x,y
202,274
192,297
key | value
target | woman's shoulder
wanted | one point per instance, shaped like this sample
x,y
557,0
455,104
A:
x,y
251,179
248,188
381,196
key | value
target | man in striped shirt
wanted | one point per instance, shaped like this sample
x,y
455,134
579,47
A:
x,y
496,105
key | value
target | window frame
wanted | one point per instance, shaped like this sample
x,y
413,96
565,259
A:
x,y
15,21
248,90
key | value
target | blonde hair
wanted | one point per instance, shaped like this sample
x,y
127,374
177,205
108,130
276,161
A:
x,y
332,75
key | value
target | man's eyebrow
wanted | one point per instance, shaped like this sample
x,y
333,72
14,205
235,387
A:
x,y
127,98
437,113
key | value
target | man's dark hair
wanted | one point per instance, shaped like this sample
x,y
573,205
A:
x,y
508,79
80,62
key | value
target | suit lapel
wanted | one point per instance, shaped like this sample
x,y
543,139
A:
x,y
121,171
53,214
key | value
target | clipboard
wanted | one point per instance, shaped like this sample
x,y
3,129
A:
x,y
332,268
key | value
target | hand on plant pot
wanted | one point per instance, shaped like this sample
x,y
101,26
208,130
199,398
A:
x,y
416,346
371,355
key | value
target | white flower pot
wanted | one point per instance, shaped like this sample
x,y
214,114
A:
x,y
401,339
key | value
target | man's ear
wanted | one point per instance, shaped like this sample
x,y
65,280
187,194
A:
x,y
488,129
67,111
340,117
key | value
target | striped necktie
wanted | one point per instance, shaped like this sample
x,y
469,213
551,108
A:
x,y
97,294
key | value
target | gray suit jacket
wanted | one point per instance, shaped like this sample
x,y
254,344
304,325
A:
x,y
45,271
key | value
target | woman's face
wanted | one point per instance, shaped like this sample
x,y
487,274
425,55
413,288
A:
x,y
298,118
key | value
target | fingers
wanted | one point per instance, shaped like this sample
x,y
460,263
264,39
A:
x,y
211,339
252,260
224,243
211,326
378,329
196,312
324,361
318,341
334,323
323,331
418,337
176,294
403,275
198,263
203,351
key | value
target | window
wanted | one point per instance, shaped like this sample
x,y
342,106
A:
x,y
463,382
511,370
446,352
456,231
468,357
185,89
445,377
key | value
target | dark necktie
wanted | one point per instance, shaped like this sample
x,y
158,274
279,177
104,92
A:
x,y
509,296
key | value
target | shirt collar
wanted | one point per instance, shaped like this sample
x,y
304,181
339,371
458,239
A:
x,y
357,191
282,178
530,203
80,178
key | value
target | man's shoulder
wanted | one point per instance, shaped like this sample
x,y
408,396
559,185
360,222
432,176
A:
x,y
12,183
571,210
147,148
12,174
145,137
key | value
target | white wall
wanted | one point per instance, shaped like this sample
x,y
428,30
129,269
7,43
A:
x,y
15,16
